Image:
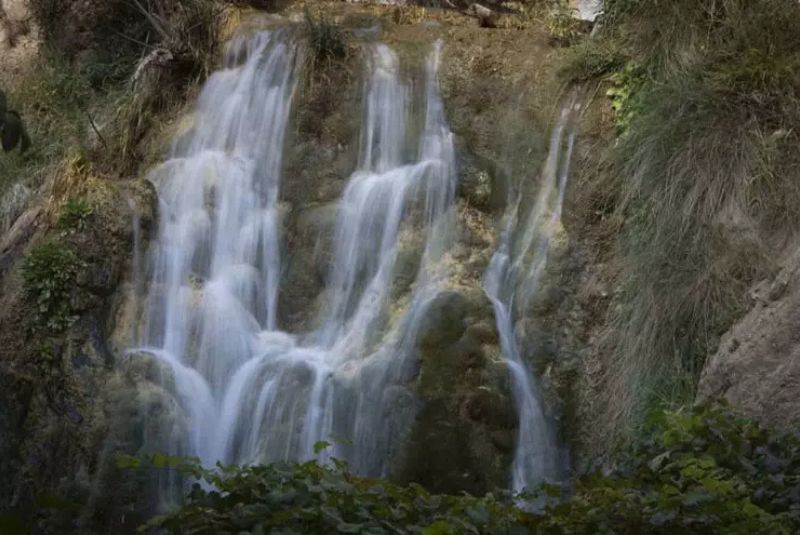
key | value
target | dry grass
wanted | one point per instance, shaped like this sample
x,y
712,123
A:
x,y
707,183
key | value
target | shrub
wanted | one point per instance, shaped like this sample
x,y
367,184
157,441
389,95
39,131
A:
x,y
49,275
313,498
627,85
702,470
698,471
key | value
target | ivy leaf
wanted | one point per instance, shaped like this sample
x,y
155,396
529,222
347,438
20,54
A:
x,y
321,446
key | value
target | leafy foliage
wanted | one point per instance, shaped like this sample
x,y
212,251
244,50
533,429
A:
x,y
49,275
696,471
626,85
313,498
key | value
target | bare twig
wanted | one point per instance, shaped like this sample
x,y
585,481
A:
x,y
96,130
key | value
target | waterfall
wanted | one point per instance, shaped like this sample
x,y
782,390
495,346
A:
x,y
248,391
511,282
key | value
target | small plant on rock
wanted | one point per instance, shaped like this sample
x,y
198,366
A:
x,y
326,39
49,274
561,23
76,214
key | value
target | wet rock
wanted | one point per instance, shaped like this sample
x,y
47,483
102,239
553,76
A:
x,y
476,181
462,438
445,323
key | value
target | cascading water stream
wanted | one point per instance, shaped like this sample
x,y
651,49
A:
x,y
215,268
512,282
249,392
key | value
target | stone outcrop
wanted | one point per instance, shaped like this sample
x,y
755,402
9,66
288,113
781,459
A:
x,y
757,366
464,434
52,423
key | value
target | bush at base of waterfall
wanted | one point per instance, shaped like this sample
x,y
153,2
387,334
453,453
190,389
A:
x,y
698,471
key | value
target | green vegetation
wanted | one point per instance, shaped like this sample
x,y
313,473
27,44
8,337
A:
x,y
76,214
699,471
78,95
558,17
49,273
561,23
326,40
591,60
54,97
696,471
706,96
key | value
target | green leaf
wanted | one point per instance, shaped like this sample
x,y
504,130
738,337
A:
x,y
124,461
321,446
438,528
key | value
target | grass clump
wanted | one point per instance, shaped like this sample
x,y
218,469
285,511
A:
x,y
591,60
562,25
326,40
54,97
76,214
49,273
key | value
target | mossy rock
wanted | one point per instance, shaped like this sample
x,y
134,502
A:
x,y
462,438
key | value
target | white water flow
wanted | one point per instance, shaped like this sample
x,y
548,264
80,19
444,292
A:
x,y
511,282
249,392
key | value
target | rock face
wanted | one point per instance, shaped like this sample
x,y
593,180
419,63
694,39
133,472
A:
x,y
757,366
51,383
463,436
18,43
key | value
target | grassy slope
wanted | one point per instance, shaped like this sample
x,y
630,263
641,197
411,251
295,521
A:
x,y
704,181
